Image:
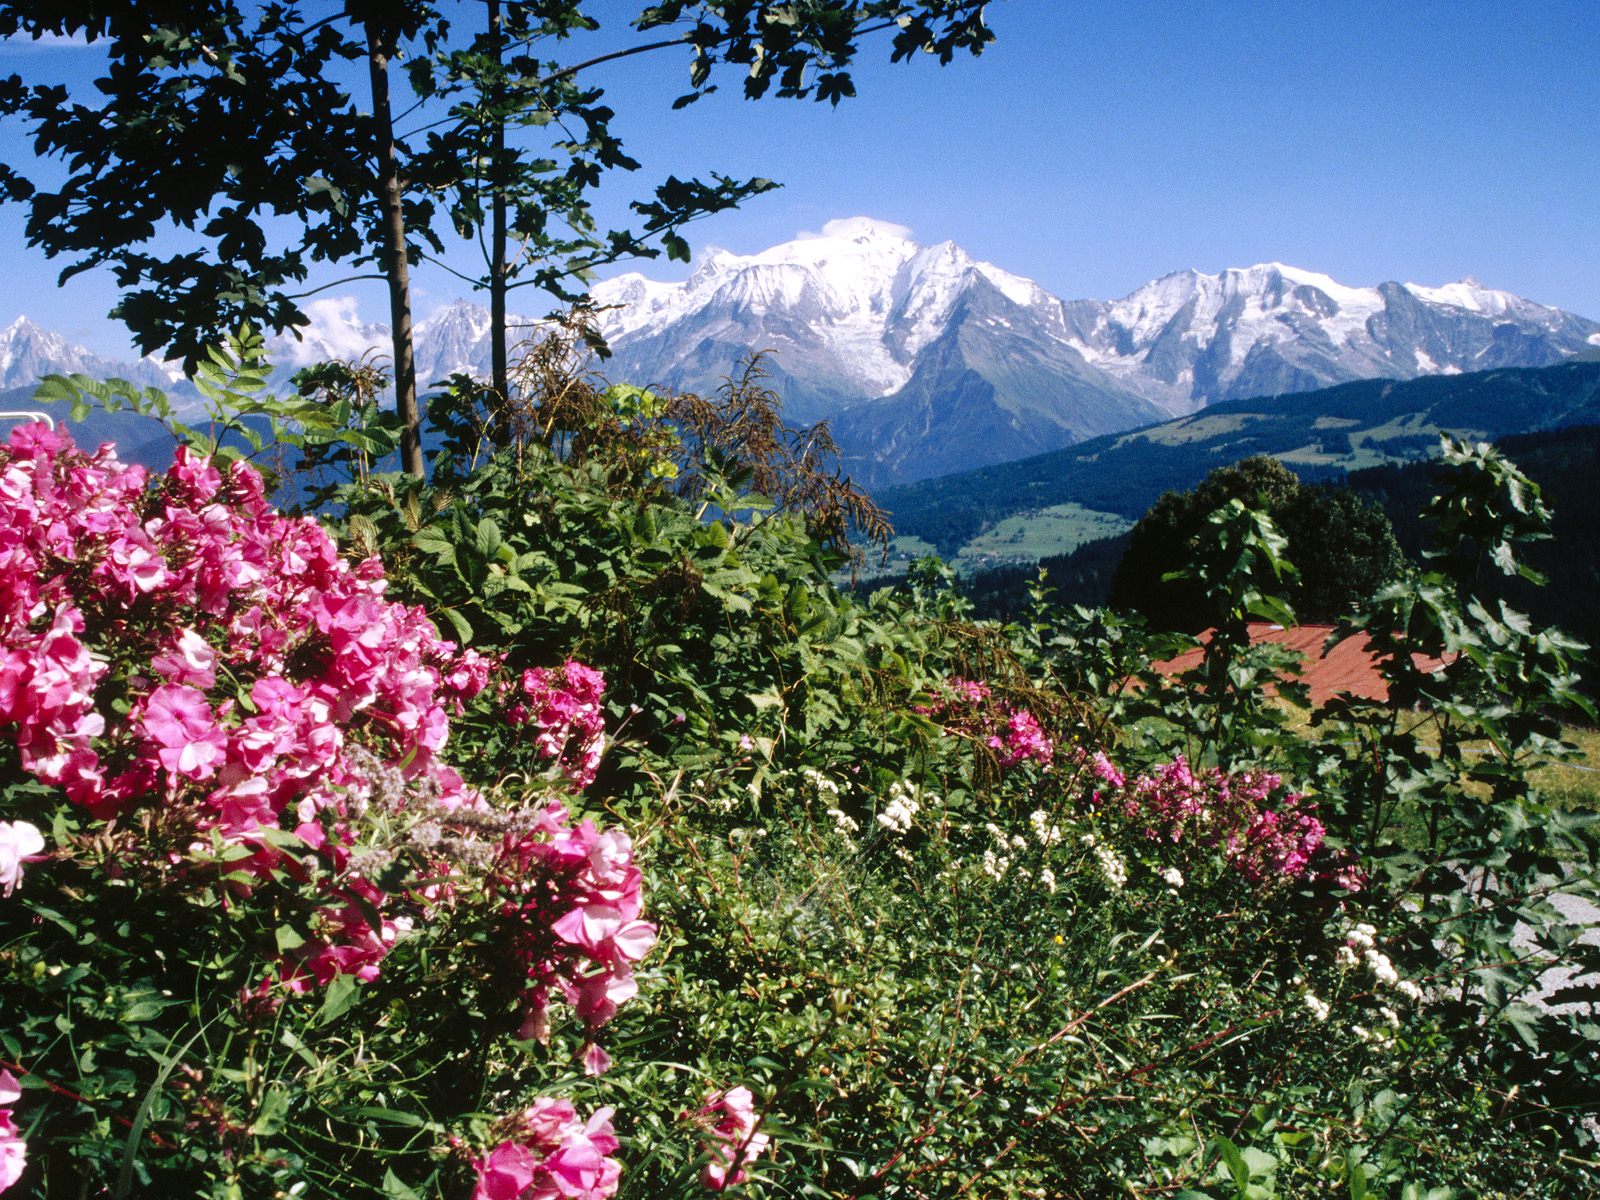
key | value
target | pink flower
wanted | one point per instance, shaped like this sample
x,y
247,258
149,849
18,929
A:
x,y
182,723
551,1154
732,1122
13,1150
190,660
20,843
505,1173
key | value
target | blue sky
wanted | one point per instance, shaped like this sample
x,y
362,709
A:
x,y
1096,146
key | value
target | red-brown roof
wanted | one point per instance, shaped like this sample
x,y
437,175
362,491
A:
x,y
1349,666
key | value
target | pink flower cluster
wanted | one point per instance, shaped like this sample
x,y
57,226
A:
x,y
13,1150
249,656
1263,839
969,708
563,705
730,1118
551,1154
571,897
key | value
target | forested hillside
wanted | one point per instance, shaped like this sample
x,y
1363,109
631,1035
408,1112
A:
x,y
1319,434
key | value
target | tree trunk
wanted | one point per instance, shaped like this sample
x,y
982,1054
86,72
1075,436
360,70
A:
x,y
499,371
395,266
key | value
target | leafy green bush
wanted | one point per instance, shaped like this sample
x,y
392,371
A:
x,y
959,908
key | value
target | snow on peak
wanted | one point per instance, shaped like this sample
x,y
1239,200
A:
x,y
868,294
1471,295
858,228
335,331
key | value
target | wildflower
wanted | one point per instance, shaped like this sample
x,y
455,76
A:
x,y
736,1142
844,822
1320,1009
20,843
551,1153
1046,833
902,807
13,1150
1172,877
1380,966
1112,868
1047,880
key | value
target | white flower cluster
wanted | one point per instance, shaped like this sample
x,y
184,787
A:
x,y
844,822
820,783
903,806
1044,831
1320,1009
1361,947
995,865
1172,877
997,859
1110,862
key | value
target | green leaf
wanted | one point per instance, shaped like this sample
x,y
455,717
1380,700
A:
x,y
394,1189
337,998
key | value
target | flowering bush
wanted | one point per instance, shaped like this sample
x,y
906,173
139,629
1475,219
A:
x,y
969,708
240,719
1263,838
563,704
570,896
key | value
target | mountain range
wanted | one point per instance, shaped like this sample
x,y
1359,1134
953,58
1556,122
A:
x,y
927,361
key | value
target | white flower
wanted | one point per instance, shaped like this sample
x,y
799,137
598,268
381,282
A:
x,y
1390,1016
1046,833
1112,867
903,806
820,783
1345,955
1362,935
1409,990
1320,1009
1173,878
844,822
1380,966
1047,880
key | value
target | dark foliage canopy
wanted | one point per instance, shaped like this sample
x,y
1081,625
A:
x,y
1343,546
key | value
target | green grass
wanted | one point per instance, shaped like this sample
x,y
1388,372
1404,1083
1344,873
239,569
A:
x,y
1030,536
1575,784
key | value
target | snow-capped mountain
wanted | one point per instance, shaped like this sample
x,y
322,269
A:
x,y
1191,338
28,352
928,360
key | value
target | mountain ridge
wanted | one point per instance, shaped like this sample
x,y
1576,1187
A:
x,y
927,360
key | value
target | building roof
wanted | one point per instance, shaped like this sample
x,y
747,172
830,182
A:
x,y
1348,666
